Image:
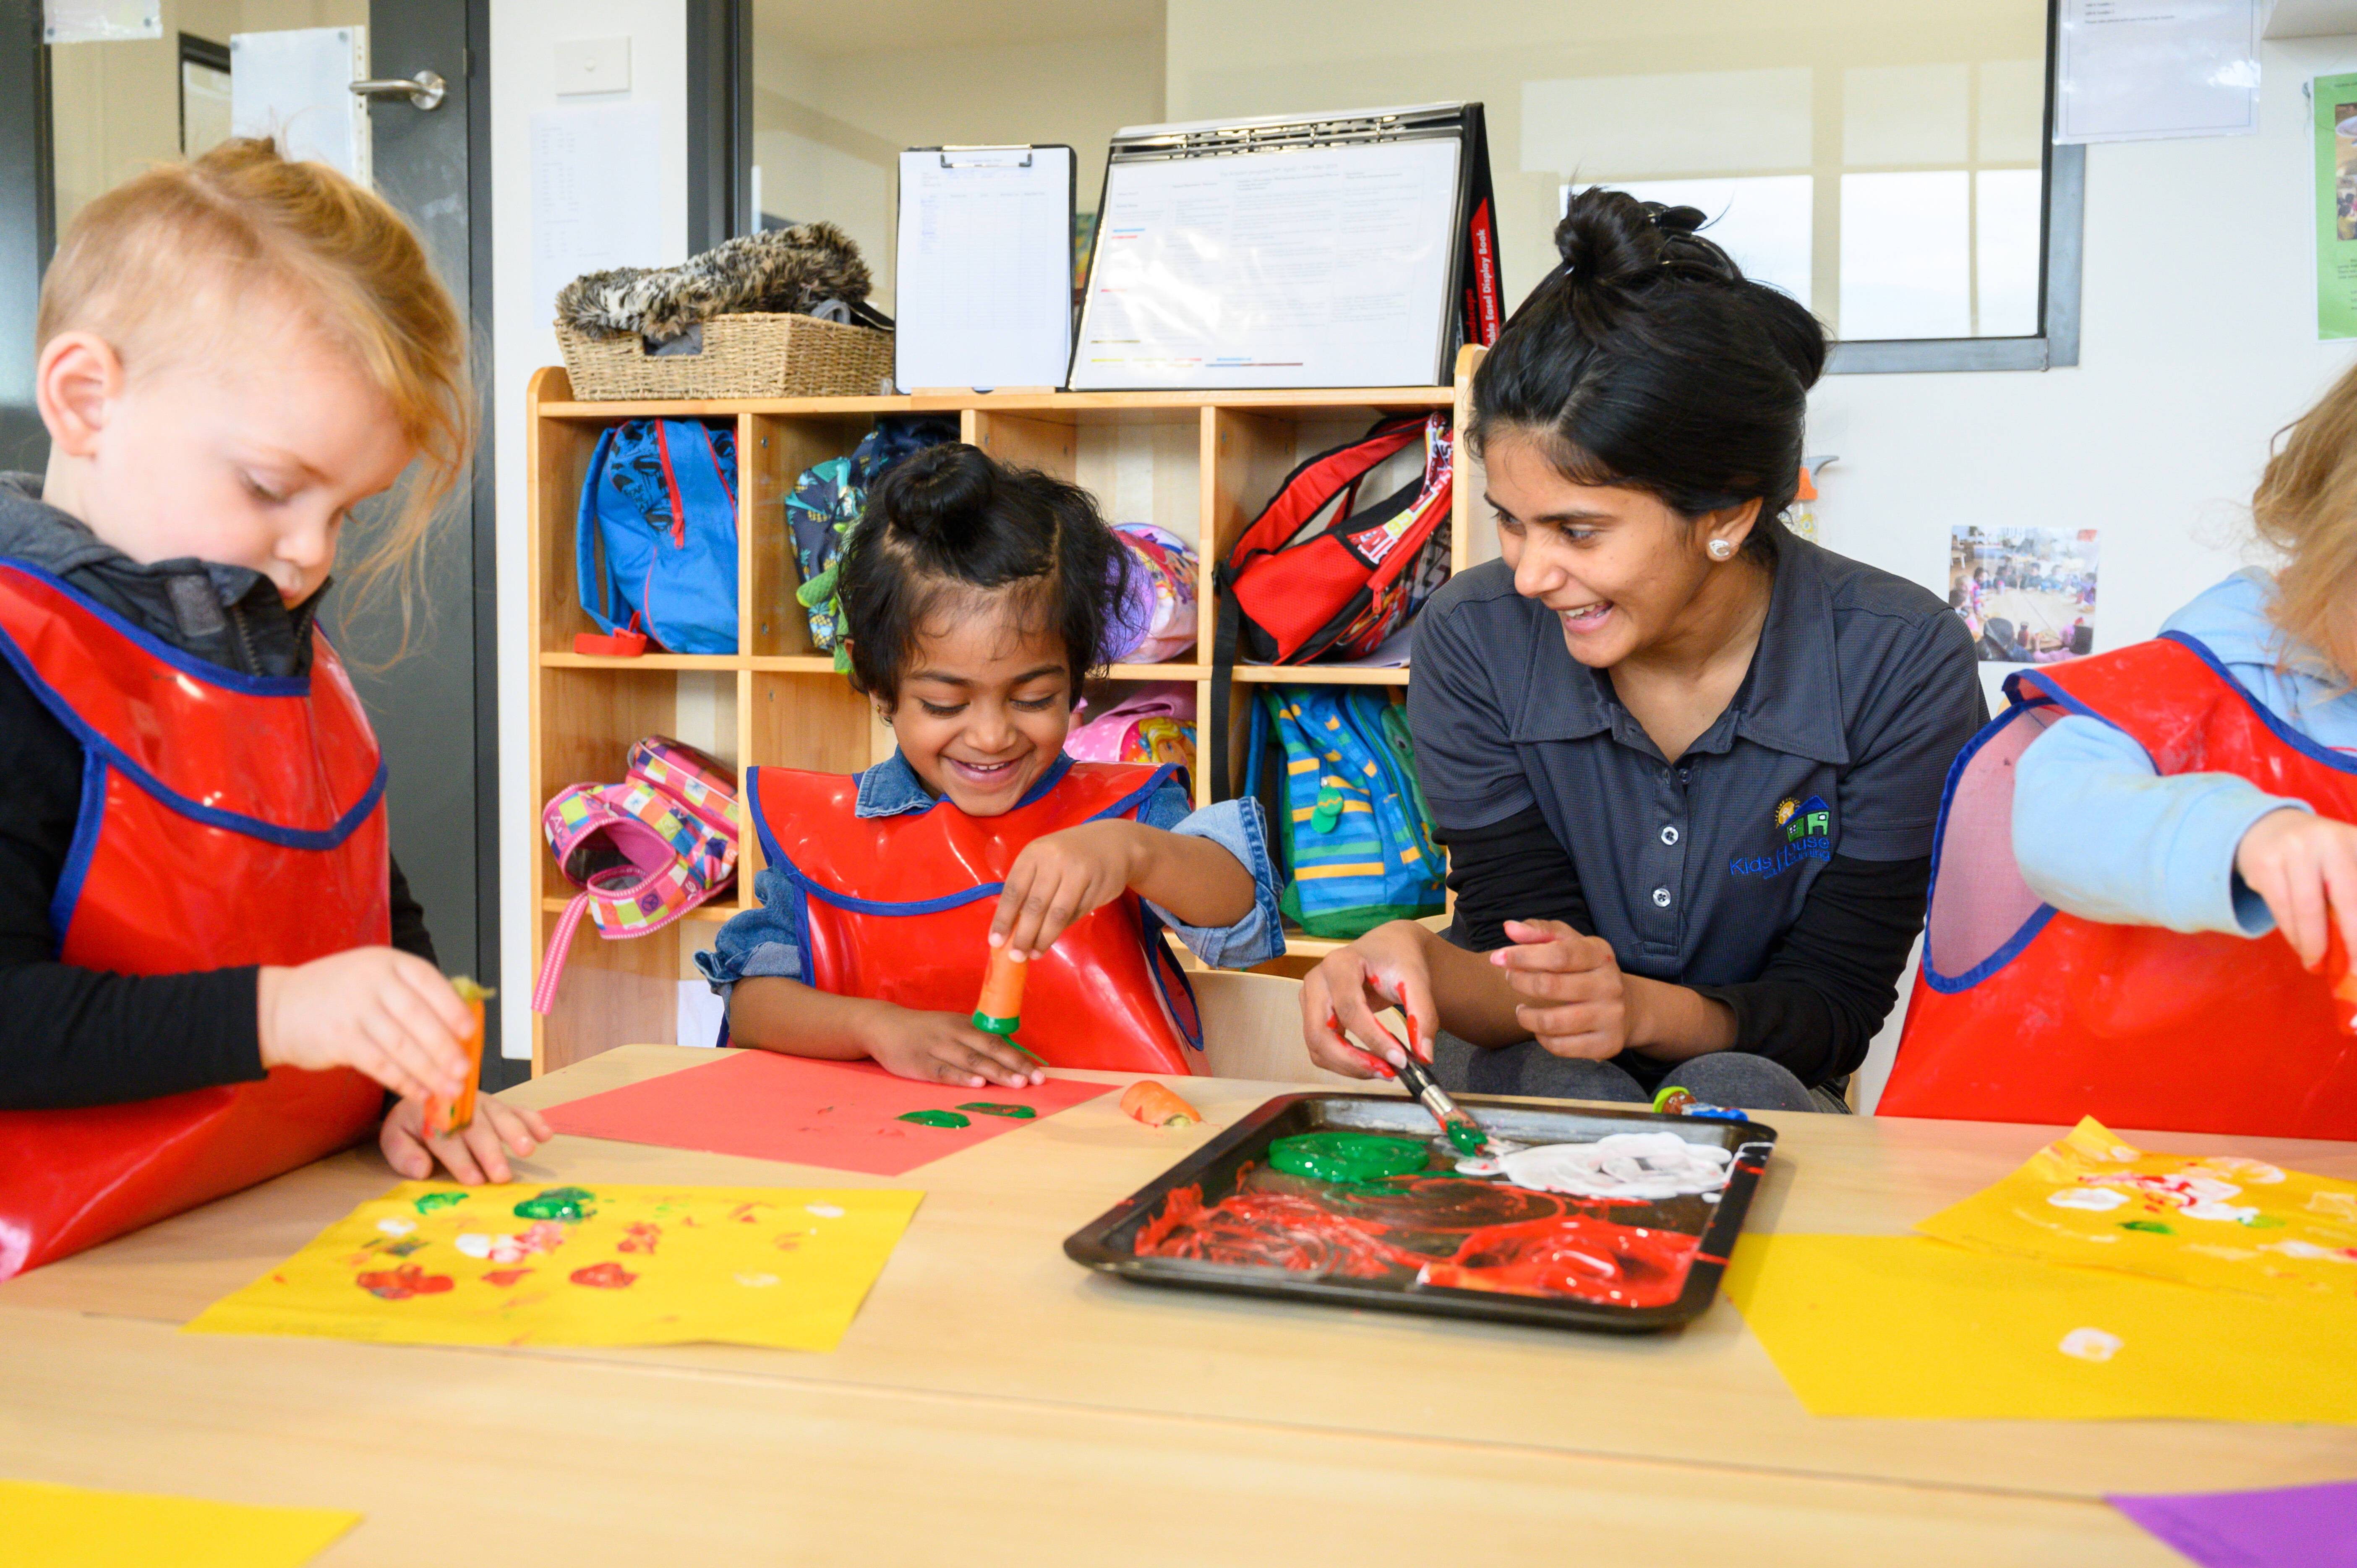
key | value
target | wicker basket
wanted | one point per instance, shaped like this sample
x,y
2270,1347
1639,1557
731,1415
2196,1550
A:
x,y
742,356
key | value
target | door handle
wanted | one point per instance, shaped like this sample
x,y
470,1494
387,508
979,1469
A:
x,y
427,88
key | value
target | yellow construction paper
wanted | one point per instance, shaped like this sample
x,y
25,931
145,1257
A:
x,y
431,1264
2215,1220
73,1526
1902,1326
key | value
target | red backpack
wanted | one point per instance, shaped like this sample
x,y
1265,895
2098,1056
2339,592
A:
x,y
1344,589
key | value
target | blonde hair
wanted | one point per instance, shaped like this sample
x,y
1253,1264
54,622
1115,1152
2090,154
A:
x,y
2306,506
167,263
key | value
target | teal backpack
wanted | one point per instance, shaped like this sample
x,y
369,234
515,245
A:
x,y
1350,817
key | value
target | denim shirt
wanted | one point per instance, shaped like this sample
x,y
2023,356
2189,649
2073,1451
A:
x,y
2100,833
758,943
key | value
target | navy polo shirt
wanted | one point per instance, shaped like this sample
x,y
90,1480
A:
x,y
1862,692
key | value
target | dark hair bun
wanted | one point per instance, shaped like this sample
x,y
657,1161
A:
x,y
1609,239
940,495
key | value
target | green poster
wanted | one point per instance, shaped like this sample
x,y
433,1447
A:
x,y
2336,206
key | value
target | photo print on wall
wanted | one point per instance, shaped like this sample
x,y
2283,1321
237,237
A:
x,y
2027,595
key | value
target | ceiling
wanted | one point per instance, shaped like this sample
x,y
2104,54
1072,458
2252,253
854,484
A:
x,y
830,28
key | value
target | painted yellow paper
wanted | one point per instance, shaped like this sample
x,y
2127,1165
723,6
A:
x,y
2212,1220
1902,1326
74,1527
433,1264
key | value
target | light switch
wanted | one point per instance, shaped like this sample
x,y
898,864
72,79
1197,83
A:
x,y
593,65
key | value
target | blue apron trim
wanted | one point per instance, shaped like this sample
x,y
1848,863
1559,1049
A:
x,y
180,658
90,817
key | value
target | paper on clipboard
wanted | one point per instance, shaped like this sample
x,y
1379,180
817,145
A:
x,y
2133,69
983,292
1324,266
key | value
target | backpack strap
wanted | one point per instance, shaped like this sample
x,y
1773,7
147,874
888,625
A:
x,y
589,567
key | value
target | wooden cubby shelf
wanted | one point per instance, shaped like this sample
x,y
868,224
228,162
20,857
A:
x,y
1200,464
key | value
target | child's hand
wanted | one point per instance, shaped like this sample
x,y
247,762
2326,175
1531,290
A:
x,y
941,1047
472,1154
1340,997
2305,867
388,1013
1062,876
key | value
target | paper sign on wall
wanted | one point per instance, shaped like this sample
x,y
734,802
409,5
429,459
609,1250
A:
x,y
2134,70
2336,205
295,88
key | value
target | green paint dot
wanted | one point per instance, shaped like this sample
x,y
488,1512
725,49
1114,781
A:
x,y
1346,1156
935,1119
567,1203
2153,1226
1020,1112
1466,1137
429,1201
2262,1222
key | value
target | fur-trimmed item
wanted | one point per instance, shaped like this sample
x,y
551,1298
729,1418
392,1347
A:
x,y
777,271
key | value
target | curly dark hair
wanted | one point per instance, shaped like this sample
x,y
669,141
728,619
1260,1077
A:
x,y
950,520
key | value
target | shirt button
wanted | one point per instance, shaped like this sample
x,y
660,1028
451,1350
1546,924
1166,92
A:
x,y
1661,897
1669,835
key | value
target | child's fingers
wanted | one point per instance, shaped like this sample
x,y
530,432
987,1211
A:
x,y
1046,910
535,1125
996,1060
480,1140
386,1055
459,1158
2305,888
401,1149
424,980
2340,891
1011,894
416,1015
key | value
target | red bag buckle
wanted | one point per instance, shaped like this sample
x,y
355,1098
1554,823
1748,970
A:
x,y
617,645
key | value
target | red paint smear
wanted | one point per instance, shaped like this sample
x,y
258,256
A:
x,y
401,1284
1474,1235
604,1276
641,1237
504,1278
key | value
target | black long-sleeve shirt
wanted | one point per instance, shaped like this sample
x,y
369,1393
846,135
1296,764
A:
x,y
1828,986
71,1035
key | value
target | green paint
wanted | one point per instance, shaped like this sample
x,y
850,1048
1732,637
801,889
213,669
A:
x,y
567,1203
1346,1156
428,1202
935,1118
1004,1029
1466,1137
1018,1113
2264,1222
2153,1226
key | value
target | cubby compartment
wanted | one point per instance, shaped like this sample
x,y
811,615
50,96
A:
x,y
773,452
813,721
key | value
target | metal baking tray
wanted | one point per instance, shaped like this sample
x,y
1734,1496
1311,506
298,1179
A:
x,y
1240,1154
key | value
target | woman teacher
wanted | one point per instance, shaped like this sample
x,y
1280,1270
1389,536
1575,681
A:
x,y
1688,765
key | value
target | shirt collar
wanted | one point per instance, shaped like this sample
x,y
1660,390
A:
x,y
1789,700
891,787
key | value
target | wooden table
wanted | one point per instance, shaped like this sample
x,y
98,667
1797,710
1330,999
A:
x,y
993,1401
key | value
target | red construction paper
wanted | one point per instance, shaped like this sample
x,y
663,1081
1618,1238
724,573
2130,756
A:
x,y
841,1115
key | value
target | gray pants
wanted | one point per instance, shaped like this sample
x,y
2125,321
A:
x,y
1719,1077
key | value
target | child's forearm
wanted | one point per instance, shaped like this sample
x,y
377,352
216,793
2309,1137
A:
x,y
1194,878
780,1015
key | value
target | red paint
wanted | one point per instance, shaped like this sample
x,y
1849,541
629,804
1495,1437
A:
x,y
401,1284
641,1237
504,1278
1445,1231
604,1276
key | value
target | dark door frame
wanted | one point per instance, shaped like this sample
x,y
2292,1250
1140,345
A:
x,y
719,123
27,222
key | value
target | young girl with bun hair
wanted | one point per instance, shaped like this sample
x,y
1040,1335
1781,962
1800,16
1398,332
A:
x,y
1685,762
976,597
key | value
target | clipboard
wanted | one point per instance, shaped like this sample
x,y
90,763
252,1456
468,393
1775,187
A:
x,y
1350,249
983,294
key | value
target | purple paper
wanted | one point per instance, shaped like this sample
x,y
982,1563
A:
x,y
2295,1527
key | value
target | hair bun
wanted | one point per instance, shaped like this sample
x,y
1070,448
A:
x,y
1609,239
940,494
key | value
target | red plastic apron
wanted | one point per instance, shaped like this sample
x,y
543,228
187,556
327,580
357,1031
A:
x,y
898,908
225,820
2022,1012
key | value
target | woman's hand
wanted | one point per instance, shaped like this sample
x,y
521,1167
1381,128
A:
x,y
1340,997
941,1047
1061,876
388,1013
1575,1001
2305,867
472,1154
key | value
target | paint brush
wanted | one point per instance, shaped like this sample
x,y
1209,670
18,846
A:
x,y
1460,1127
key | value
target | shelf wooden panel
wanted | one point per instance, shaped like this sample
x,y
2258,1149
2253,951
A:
x,y
714,913
551,658
1156,672
1310,398
1319,675
789,664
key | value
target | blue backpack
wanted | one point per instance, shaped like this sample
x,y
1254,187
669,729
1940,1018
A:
x,y
657,547
1350,819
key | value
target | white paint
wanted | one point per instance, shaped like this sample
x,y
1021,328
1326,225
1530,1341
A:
x,y
756,1281
1648,1165
2091,1344
524,35
824,1210
474,1243
393,1225
2095,1199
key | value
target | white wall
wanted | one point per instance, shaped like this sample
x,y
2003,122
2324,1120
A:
x,y
522,75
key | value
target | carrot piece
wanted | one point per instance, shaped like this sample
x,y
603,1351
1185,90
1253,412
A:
x,y
1002,991
1156,1106
444,1116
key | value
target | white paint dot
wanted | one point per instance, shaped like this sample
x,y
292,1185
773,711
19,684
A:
x,y
2097,1199
2090,1345
756,1281
824,1210
475,1244
393,1225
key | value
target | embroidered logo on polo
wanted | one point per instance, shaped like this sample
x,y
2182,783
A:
x,y
1804,831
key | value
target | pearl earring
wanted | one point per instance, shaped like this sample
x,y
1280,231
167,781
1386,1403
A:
x,y
1721,549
